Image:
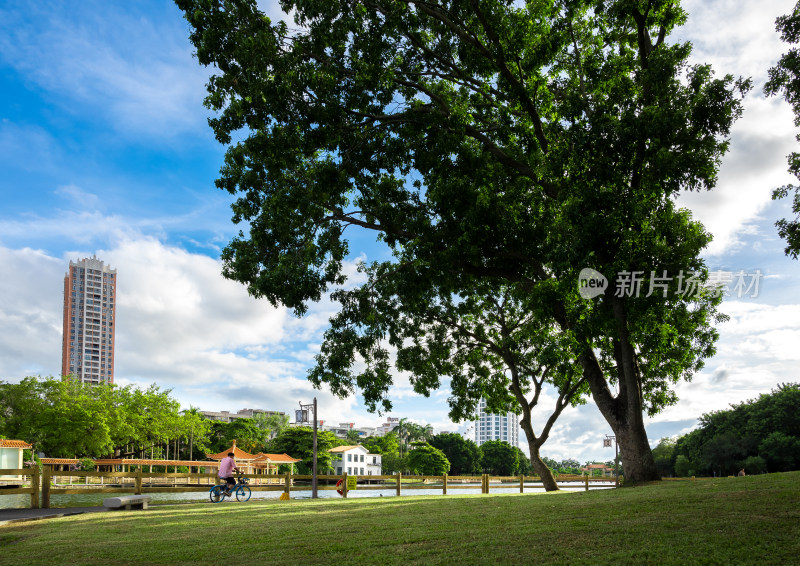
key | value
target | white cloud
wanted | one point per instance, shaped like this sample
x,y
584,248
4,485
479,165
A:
x,y
31,319
179,324
137,72
79,197
754,167
757,350
739,39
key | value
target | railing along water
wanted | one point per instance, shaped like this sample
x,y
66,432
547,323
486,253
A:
x,y
137,482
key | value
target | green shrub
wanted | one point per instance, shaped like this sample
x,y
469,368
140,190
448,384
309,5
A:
x,y
683,466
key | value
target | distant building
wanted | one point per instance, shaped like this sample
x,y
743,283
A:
x,y
387,427
496,427
303,418
90,293
227,416
355,461
11,457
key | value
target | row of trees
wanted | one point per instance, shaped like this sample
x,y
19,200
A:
x,y
64,418
759,435
462,456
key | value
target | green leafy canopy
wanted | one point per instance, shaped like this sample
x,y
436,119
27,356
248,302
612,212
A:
x,y
482,141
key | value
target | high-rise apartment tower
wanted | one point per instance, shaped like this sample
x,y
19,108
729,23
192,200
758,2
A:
x,y
90,292
496,427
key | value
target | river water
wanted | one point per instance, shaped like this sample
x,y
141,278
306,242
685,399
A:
x,y
19,501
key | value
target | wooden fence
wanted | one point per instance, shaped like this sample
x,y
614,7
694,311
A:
x,y
32,484
139,482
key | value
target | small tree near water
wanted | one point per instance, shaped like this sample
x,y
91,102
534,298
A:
x,y
426,460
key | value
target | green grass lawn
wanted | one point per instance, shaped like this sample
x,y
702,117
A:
x,y
752,520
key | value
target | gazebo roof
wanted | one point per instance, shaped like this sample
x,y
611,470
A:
x,y
14,444
132,462
51,461
238,453
275,459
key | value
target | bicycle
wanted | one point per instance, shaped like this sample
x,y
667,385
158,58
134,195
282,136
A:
x,y
242,491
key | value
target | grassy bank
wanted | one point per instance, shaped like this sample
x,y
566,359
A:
x,y
744,520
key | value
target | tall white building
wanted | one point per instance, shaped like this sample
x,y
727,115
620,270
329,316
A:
x,y
90,293
496,427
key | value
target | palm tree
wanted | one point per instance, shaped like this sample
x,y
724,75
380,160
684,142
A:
x,y
402,434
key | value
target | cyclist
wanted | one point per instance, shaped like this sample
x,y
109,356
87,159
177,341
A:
x,y
226,469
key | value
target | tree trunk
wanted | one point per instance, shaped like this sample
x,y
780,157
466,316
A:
x,y
534,443
624,411
541,469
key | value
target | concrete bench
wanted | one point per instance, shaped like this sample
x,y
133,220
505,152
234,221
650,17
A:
x,y
127,501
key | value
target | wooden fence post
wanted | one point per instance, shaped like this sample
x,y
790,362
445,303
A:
x,y
522,483
288,487
137,488
399,479
587,482
444,484
35,487
46,488
344,485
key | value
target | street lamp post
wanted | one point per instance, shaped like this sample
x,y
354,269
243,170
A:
x,y
607,444
313,407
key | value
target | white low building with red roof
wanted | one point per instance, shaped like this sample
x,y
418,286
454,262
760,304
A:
x,y
11,457
355,460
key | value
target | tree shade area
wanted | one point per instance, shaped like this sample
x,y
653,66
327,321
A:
x,y
492,147
759,435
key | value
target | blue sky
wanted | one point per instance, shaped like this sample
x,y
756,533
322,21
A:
x,y
104,149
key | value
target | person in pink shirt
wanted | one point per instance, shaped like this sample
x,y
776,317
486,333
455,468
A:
x,y
226,469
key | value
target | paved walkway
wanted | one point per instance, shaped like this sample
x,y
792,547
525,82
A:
x,y
18,515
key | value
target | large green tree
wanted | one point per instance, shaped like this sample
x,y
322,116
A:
x,y
298,442
664,454
500,458
270,424
486,343
426,460
464,455
480,140
386,444
784,78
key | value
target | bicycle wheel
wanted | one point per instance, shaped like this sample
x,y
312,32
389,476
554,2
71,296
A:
x,y
216,494
243,493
